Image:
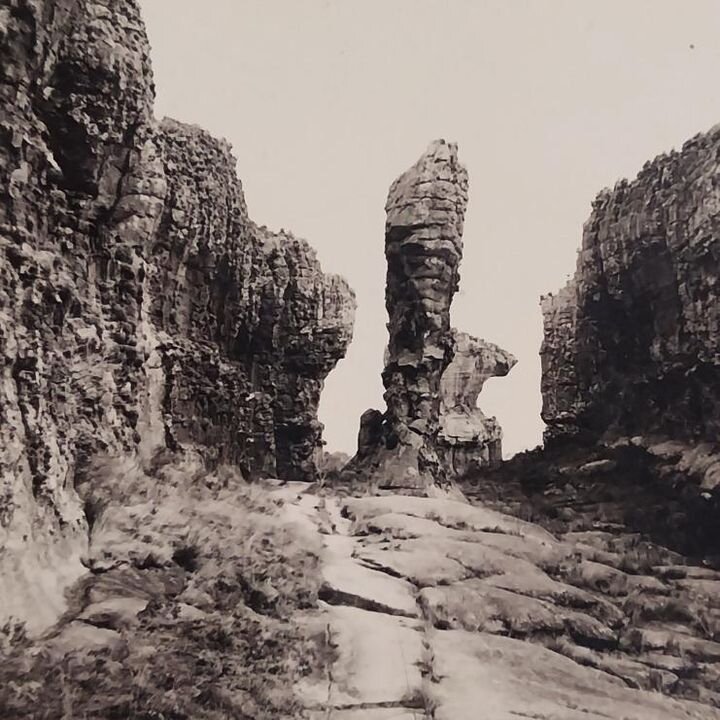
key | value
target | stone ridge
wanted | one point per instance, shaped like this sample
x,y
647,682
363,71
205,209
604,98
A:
x,y
140,308
632,346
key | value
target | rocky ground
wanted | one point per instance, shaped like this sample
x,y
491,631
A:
x,y
206,597
187,608
436,608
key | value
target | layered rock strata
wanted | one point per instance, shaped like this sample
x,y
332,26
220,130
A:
x,y
467,438
632,344
140,308
423,246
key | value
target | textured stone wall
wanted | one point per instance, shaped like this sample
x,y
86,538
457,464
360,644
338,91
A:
x,y
632,345
250,326
140,308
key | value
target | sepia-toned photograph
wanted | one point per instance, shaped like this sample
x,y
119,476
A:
x,y
359,360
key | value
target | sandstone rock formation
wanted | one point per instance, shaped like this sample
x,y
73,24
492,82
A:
x,y
632,344
252,306
144,316
423,246
467,439
140,308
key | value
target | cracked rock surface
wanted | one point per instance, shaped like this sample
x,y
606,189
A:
x,y
508,620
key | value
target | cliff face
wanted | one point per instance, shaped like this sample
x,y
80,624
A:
x,y
559,381
249,325
411,445
140,308
632,345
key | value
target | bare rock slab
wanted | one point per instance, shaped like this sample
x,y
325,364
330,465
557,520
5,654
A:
x,y
450,513
486,676
377,661
114,613
386,713
421,565
357,586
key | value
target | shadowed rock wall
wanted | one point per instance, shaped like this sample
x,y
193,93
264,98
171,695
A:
x,y
632,344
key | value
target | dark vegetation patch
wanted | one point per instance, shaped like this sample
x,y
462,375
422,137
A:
x,y
633,491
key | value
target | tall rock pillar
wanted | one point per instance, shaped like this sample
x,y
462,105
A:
x,y
423,246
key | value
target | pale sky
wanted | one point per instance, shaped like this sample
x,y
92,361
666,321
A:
x,y
326,101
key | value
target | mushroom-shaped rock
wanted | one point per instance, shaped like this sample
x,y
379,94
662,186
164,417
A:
x,y
467,438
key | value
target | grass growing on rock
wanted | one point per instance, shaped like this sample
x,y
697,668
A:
x,y
189,609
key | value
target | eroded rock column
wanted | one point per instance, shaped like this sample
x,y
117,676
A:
x,y
423,246
432,431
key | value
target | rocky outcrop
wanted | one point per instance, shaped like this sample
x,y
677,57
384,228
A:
x,y
467,439
249,325
437,607
632,344
140,308
423,246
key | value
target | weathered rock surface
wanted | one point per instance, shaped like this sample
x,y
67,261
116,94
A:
x,y
432,429
191,610
140,308
513,622
632,344
423,246
467,439
508,679
377,663
252,305
432,608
